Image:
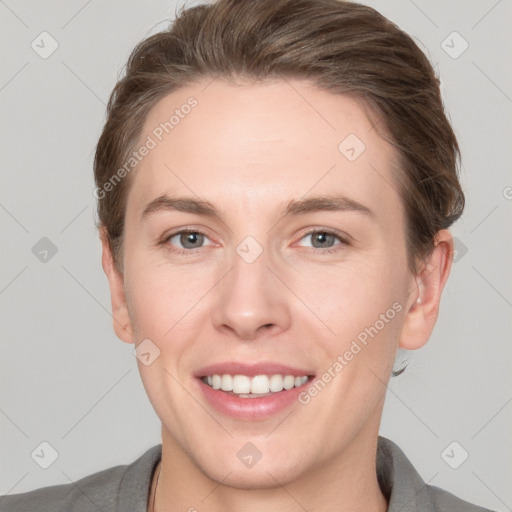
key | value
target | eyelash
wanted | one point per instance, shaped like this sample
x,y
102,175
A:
x,y
189,252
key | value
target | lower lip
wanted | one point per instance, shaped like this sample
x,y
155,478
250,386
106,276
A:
x,y
251,409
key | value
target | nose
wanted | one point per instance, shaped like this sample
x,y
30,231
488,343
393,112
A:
x,y
251,302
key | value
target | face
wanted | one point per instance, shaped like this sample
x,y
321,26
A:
x,y
277,259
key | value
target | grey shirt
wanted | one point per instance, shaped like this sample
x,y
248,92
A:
x,y
126,488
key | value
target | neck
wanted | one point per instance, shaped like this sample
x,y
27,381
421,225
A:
x,y
183,486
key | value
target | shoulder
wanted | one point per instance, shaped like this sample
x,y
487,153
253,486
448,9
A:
x,y
105,490
444,500
406,490
88,493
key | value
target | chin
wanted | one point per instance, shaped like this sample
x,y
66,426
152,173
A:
x,y
259,476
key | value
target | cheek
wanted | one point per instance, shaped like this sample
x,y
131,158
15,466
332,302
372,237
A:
x,y
363,308
163,301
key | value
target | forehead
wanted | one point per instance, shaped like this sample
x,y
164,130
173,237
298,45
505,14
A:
x,y
250,146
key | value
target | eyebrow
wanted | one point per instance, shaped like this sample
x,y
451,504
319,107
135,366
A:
x,y
337,202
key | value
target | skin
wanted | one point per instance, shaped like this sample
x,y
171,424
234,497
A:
x,y
239,150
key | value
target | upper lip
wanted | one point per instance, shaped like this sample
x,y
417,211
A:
x,y
251,369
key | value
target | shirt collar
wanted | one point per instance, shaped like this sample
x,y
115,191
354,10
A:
x,y
399,481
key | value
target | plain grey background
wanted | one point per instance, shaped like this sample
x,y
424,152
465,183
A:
x,y
68,381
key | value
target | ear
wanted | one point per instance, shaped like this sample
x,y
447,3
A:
x,y
423,307
120,316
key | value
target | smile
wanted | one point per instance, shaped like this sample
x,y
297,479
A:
x,y
245,386
252,391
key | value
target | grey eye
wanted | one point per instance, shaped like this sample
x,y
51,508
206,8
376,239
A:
x,y
189,239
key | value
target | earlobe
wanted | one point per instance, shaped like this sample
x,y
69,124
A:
x,y
121,318
423,306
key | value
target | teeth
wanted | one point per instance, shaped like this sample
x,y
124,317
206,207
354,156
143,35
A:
x,y
216,380
258,385
241,384
276,383
289,382
226,383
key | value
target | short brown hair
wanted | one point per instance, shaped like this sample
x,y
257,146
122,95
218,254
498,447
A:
x,y
342,47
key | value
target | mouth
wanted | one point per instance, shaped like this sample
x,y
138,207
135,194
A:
x,y
252,392
258,386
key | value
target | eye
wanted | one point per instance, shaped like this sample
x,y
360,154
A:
x,y
190,241
325,240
